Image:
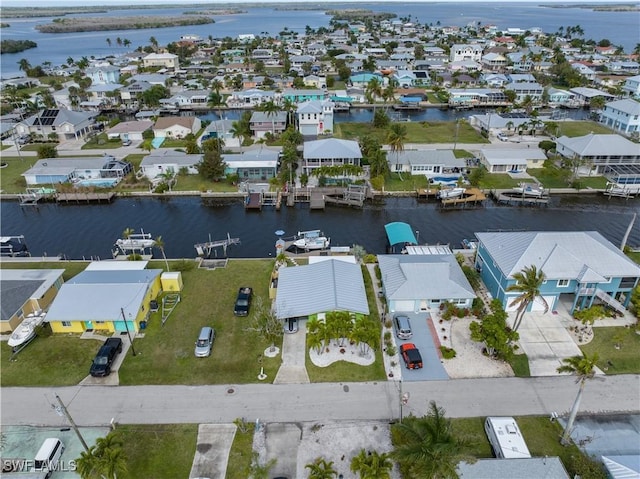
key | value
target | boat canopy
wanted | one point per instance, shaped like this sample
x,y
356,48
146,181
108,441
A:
x,y
342,99
410,100
400,233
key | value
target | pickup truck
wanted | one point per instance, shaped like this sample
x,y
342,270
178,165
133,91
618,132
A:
x,y
243,301
101,365
411,356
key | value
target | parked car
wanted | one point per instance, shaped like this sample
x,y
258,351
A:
x,y
402,326
243,301
107,353
204,344
24,139
502,137
411,355
291,325
126,142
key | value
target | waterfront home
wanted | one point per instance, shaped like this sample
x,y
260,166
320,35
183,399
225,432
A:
x,y
622,116
187,99
168,61
519,61
493,61
326,284
315,117
611,155
103,74
152,78
167,160
581,268
132,93
512,161
129,130
523,90
222,129
250,98
176,126
363,79
631,86
559,97
26,291
494,123
473,97
404,78
440,166
624,67
262,123
494,80
584,95
96,171
65,124
299,96
413,283
461,52
330,152
103,95
257,163
104,296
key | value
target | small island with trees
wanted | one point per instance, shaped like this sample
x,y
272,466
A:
x,y
96,24
15,46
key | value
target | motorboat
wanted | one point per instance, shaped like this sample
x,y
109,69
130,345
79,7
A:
x,y
451,193
468,244
13,246
26,330
136,242
311,240
532,190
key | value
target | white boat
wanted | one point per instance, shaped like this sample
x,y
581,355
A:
x,y
136,242
311,240
529,189
13,246
468,244
26,330
451,193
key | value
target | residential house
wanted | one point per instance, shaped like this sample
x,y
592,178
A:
x,y
523,468
79,171
363,79
315,81
152,78
176,126
559,97
258,163
315,117
102,298
461,52
105,94
164,160
404,78
262,123
580,267
299,96
413,283
622,116
26,291
584,70
187,99
523,90
330,152
330,284
494,123
168,61
584,95
66,124
493,62
250,98
632,86
624,67
512,161
129,130
222,129
440,166
131,94
103,74
519,61
472,97
495,80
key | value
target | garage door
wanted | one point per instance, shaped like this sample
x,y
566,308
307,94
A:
x,y
405,306
309,129
538,304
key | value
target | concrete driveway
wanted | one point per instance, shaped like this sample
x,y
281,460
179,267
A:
x,y
212,450
279,441
423,338
292,369
112,379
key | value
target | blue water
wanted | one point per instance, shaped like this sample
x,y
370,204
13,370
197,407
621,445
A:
x,y
621,28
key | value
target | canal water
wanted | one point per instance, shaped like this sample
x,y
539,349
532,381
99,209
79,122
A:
x,y
83,231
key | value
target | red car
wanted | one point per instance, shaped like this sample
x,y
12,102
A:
x,y
411,356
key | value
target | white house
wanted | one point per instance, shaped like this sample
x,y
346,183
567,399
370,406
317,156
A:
x,y
632,86
512,161
330,152
176,127
66,124
622,116
129,130
461,52
315,117
103,74
440,166
162,60
165,160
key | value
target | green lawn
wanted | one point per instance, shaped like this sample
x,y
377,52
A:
x,y
71,268
554,177
462,154
4,147
10,179
520,365
35,146
581,128
240,454
207,300
102,142
542,437
625,360
634,255
159,450
198,183
407,183
417,132
498,181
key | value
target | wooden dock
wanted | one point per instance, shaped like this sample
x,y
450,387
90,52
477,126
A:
x,y
85,197
427,193
503,196
253,202
471,196
32,196
316,200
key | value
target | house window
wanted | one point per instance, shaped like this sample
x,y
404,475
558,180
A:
x,y
66,324
563,283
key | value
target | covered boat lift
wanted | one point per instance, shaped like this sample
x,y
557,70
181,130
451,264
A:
x,y
399,236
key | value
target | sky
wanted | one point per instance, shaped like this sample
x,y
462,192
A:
x,y
62,3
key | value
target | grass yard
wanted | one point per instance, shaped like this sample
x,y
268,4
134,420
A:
x,y
581,128
542,437
102,142
159,450
240,454
408,182
50,360
625,360
71,268
4,147
198,183
207,300
10,179
462,154
634,255
554,177
498,181
417,132
520,365
35,146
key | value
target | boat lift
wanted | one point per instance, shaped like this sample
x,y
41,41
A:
x,y
169,303
205,249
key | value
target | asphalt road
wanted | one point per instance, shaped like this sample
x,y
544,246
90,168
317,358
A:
x,y
97,405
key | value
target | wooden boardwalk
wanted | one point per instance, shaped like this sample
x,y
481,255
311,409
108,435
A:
x,y
85,197
471,196
253,201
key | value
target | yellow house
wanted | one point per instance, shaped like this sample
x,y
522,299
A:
x,y
104,296
25,291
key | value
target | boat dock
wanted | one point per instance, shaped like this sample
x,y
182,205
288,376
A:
x,y
205,249
85,197
32,196
426,193
510,197
471,196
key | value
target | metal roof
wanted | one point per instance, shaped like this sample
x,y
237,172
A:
x,y
561,255
599,145
399,232
522,468
434,276
331,148
320,287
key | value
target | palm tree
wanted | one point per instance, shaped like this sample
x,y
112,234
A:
x,y
528,282
372,465
321,469
119,41
126,42
271,108
108,40
160,245
88,463
105,460
289,106
396,137
374,88
24,65
426,447
584,368
154,43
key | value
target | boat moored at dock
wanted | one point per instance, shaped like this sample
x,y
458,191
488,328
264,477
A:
x,y
311,240
13,246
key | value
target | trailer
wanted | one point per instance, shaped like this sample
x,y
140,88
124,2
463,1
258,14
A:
x,y
505,438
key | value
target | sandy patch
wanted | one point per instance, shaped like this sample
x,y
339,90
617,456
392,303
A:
x,y
346,352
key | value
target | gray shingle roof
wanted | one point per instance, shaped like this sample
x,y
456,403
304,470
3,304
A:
x,y
315,288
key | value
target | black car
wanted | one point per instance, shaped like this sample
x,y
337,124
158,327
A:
x,y
101,365
243,301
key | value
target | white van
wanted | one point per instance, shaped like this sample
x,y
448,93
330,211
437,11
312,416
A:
x,y
48,457
505,438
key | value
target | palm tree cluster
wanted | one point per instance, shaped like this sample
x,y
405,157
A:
x,y
105,460
340,326
338,171
372,465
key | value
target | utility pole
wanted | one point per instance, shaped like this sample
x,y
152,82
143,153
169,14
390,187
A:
x,y
63,408
133,351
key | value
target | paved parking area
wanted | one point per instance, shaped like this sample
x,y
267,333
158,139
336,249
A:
x,y
212,450
423,338
279,441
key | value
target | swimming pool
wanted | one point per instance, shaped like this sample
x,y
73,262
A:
x,y
156,142
98,182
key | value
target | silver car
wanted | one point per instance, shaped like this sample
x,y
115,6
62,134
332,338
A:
x,y
205,342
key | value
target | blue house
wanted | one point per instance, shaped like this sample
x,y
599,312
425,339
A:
x,y
299,96
581,268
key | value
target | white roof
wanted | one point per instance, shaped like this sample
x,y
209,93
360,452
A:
x,y
113,265
599,145
525,468
512,157
331,148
